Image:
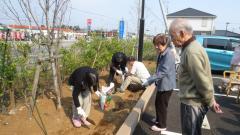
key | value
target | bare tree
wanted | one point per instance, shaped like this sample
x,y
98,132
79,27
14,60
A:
x,y
53,13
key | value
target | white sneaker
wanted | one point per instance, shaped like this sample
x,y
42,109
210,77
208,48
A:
x,y
235,88
154,120
155,128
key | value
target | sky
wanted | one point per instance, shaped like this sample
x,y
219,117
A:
x,y
106,14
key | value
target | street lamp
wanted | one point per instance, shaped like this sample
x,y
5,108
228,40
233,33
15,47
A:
x,y
227,23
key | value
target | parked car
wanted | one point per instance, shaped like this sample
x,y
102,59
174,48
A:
x,y
220,50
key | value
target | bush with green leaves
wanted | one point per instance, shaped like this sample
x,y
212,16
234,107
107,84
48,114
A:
x,y
98,52
15,72
149,52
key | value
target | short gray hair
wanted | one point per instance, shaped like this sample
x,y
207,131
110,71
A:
x,y
181,25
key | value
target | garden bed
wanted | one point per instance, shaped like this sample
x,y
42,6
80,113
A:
x,y
59,121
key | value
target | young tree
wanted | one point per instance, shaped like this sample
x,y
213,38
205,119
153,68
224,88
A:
x,y
51,14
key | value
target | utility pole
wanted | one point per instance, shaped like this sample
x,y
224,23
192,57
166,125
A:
x,y
164,15
141,34
226,28
135,48
138,26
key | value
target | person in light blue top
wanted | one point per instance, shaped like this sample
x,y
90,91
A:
x,y
164,79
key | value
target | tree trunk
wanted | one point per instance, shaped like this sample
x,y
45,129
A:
x,y
35,85
55,78
3,100
59,76
12,101
99,47
57,64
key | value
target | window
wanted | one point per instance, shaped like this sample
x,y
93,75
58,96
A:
x,y
216,43
204,22
234,43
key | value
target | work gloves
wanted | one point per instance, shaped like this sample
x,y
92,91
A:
x,y
98,93
81,112
119,72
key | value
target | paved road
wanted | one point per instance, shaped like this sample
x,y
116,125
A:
x,y
220,124
67,43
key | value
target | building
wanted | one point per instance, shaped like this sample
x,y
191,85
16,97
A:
x,y
202,22
24,32
226,33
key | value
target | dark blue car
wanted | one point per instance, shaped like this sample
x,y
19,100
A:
x,y
219,49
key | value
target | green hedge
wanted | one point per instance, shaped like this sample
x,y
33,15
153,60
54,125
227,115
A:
x,y
17,72
83,52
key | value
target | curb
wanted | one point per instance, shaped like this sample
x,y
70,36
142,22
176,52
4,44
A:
x,y
133,118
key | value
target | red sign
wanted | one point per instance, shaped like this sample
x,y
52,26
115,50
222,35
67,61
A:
x,y
89,22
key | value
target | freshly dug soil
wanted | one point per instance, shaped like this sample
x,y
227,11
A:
x,y
58,122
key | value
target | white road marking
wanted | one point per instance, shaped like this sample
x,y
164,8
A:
x,y
216,94
205,124
224,95
176,89
215,77
169,133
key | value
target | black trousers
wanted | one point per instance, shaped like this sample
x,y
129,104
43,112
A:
x,y
161,104
111,75
192,119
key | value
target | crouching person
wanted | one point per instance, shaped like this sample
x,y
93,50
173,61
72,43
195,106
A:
x,y
138,74
118,66
82,79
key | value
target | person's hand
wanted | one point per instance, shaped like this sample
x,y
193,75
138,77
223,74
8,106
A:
x,y
127,74
119,72
145,84
126,69
70,87
81,112
111,85
123,76
98,93
216,107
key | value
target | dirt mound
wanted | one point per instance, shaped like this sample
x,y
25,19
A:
x,y
58,122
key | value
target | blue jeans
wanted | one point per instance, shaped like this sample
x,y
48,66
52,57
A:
x,y
192,119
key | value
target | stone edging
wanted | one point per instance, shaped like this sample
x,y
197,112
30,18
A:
x,y
133,118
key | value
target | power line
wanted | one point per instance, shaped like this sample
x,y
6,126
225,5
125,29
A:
x,y
21,19
99,15
153,13
93,13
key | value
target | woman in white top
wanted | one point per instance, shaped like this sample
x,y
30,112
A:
x,y
137,75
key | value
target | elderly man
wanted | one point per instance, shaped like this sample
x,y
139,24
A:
x,y
195,80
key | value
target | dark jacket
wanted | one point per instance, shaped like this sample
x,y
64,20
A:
x,y
165,76
81,81
119,65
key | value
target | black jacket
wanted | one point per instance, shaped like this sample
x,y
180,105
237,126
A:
x,y
81,81
119,65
